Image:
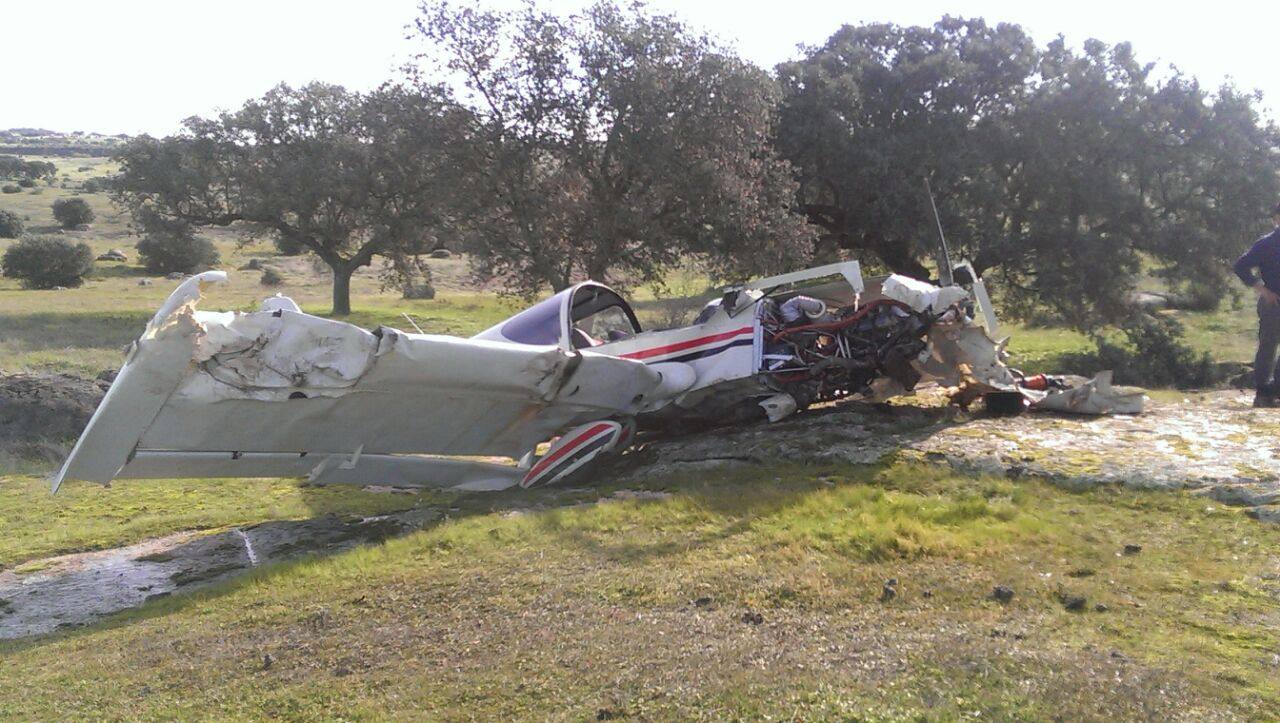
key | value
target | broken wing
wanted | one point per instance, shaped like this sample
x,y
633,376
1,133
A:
x,y
279,392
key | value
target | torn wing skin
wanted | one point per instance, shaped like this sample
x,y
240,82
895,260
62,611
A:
x,y
279,392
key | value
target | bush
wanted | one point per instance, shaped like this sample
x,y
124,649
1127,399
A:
x,y
271,277
97,184
176,249
72,212
11,188
10,225
43,262
1155,356
289,247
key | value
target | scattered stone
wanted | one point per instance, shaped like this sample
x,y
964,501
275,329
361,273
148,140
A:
x,y
1100,608
145,282
890,590
1002,594
752,618
1132,549
1269,514
441,254
1074,603
926,593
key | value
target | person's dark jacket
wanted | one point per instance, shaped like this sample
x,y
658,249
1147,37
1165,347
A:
x,y
1265,257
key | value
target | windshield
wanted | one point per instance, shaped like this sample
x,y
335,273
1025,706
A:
x,y
538,324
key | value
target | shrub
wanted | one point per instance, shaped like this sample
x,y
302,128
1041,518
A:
x,y
289,247
43,262
166,250
10,225
1155,356
271,277
98,184
72,212
11,188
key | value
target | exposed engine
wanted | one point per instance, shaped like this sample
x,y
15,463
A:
x,y
819,355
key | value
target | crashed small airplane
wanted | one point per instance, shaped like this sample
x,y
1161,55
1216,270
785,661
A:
x,y
281,393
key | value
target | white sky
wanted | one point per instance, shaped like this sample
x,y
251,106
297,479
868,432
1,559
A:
x,y
131,66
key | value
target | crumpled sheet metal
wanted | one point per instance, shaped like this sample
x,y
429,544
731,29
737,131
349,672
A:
x,y
283,383
1094,396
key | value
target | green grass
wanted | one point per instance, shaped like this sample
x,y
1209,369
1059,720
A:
x,y
571,611
85,516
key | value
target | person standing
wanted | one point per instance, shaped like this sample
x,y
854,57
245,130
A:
x,y
1264,257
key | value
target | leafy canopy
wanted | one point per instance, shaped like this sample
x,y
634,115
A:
x,y
348,176
613,144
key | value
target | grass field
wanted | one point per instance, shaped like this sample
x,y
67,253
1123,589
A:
x,y
644,608
537,606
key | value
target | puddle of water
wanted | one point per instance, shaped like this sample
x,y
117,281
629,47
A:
x,y
78,589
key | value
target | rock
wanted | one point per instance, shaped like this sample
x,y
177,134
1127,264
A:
x,y
752,618
45,408
419,291
59,288
1244,495
1101,608
145,282
442,254
1002,594
1132,549
82,227
175,276
113,255
1265,514
1149,300
889,591
253,265
702,602
1074,603
107,375
267,661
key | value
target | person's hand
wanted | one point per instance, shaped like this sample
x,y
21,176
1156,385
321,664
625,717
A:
x,y
1267,295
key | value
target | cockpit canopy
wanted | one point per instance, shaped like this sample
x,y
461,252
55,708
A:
x,y
582,316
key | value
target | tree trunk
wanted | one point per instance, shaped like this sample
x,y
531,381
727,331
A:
x,y
341,289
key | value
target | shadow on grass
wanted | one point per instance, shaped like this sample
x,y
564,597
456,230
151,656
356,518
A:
x,y
725,503
38,331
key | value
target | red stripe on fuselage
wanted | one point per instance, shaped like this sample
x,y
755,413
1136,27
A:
x,y
540,466
682,345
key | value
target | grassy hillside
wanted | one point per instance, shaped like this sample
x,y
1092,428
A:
x,y
754,594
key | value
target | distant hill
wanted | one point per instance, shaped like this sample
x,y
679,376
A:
x,y
44,142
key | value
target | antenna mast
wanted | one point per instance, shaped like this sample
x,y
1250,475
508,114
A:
x,y
944,263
